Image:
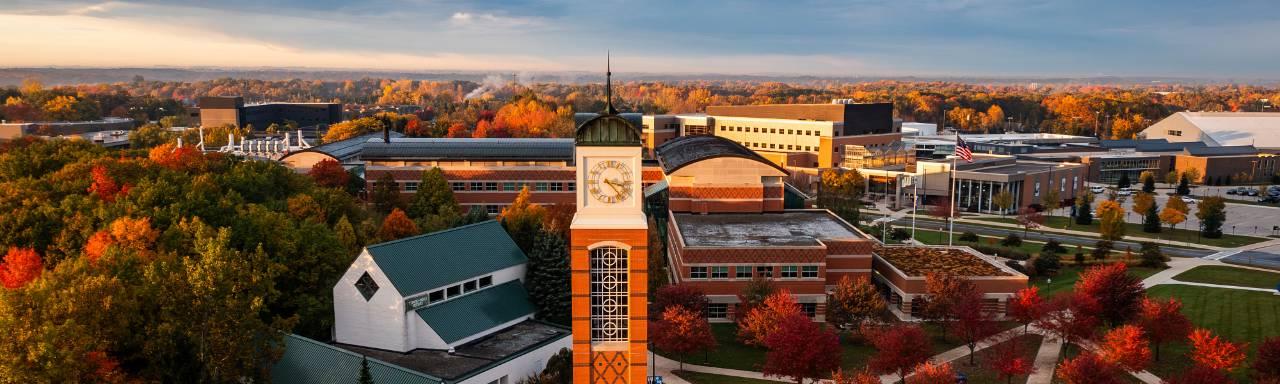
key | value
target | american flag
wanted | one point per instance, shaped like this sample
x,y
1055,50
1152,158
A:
x,y
962,150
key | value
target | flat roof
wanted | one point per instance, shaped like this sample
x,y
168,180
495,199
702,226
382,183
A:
x,y
920,261
786,229
470,357
1014,169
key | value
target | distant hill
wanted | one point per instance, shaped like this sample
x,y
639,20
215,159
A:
x,y
68,76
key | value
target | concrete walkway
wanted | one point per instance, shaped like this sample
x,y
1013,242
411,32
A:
x,y
1178,266
1046,361
961,351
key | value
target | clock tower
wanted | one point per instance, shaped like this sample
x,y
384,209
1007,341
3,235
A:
x,y
609,255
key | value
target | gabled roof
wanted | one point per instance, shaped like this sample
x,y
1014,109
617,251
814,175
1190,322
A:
x,y
347,149
470,149
468,315
1237,128
307,361
685,150
420,263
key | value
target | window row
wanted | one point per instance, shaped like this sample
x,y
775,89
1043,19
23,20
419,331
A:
x,y
789,147
450,292
747,272
721,310
770,130
507,186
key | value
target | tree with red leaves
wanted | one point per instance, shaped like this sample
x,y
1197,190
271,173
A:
x,y
860,377
20,266
1009,361
397,225
970,321
899,348
1027,307
1088,368
682,331
942,293
1214,352
1199,374
1125,347
930,373
1029,218
1119,294
1069,318
763,320
1163,321
328,173
1266,364
104,187
801,349
458,130
680,295
106,369
853,302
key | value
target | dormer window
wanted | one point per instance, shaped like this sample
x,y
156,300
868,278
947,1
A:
x,y
366,286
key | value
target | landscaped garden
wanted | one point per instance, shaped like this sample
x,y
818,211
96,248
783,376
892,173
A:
x,y
1224,275
1134,231
1066,278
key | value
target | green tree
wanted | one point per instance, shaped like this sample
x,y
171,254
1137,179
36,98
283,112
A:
x,y
1084,207
1148,180
386,193
841,192
1212,212
523,220
433,206
346,235
150,135
1152,257
1052,200
1151,219
1184,185
1123,182
548,277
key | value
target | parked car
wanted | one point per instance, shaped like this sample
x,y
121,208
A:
x,y
1124,192
1252,192
1097,190
1188,200
1233,191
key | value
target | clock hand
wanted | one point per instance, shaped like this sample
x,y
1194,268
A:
x,y
613,186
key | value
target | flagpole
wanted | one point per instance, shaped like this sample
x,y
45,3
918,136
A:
x,y
915,202
955,189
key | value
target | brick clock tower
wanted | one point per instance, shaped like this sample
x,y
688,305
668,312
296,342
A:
x,y
609,256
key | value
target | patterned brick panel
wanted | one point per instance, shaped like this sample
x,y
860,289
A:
x,y
843,263
652,175
849,247
566,174
717,192
609,367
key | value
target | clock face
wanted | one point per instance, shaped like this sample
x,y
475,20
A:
x,y
609,181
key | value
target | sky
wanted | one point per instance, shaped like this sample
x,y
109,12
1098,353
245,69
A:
x,y
1207,39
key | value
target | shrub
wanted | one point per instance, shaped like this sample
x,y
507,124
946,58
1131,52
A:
x,y
1012,240
1047,263
1053,246
899,234
969,237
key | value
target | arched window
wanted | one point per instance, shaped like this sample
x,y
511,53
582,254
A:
x,y
609,294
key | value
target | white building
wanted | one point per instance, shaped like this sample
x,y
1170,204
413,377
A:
x,y
449,306
1218,129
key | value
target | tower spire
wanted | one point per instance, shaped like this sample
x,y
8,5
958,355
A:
x,y
608,85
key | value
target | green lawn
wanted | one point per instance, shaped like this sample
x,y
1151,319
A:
x,y
1134,230
731,354
711,378
1217,274
981,372
1241,316
1067,276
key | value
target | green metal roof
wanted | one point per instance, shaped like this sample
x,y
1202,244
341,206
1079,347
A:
x,y
307,361
460,318
417,264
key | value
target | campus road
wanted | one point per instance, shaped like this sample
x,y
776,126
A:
x,y
1044,236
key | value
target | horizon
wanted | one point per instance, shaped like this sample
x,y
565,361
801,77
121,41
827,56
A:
x,y
925,38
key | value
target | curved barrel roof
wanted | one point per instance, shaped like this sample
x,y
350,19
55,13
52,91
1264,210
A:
x,y
685,150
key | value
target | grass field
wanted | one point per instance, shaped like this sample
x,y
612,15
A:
x,y
710,378
1134,232
1068,275
981,372
1241,316
1240,277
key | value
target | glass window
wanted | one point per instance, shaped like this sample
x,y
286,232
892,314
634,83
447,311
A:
x,y
809,309
573,185
541,187
454,291
790,271
486,281
411,186
717,311
366,286
458,186
510,186
719,272
557,187
764,271
435,296
609,294
809,271
742,271
493,209
697,272
491,186
469,286
477,186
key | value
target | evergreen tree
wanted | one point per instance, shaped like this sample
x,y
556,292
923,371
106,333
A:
x,y
386,193
1184,186
433,206
365,376
346,234
1151,221
1148,180
474,215
1151,255
1084,205
1212,212
1124,181
548,280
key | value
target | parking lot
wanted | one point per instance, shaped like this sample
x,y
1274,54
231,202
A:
x,y
1246,219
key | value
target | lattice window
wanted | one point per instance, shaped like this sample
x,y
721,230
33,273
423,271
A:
x,y
609,291
366,286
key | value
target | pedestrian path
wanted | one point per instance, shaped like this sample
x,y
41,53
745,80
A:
x,y
1046,361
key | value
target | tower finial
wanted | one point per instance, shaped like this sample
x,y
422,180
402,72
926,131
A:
x,y
608,84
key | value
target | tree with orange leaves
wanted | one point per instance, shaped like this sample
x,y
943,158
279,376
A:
x,y
177,158
458,130
20,266
763,320
104,187
328,173
1118,293
1163,321
125,232
859,377
930,373
1027,306
801,349
899,348
682,331
97,245
1088,368
487,128
943,293
1211,351
397,225
1125,347
523,219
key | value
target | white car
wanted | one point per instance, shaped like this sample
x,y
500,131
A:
x,y
1124,192
1188,200
1097,190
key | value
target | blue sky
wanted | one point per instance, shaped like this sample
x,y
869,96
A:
x,y
842,38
